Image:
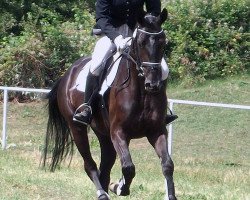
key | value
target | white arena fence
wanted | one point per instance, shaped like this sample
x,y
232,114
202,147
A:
x,y
171,106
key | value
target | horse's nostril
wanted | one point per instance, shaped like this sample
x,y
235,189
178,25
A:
x,y
147,84
154,85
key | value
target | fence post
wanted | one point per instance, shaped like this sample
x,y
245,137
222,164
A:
x,y
4,131
170,130
170,140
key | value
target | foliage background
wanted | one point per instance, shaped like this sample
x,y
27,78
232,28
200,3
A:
x,y
40,39
208,39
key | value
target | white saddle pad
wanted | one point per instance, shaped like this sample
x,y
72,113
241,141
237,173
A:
x,y
82,77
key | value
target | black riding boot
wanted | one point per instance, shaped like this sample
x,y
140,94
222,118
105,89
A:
x,y
91,90
170,117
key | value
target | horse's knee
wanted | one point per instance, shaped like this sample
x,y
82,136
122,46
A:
x,y
168,167
128,171
90,168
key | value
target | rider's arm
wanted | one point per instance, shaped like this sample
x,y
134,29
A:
x,y
103,18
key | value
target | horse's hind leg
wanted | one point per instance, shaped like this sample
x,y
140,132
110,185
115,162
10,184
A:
x,y
128,168
160,145
108,157
81,140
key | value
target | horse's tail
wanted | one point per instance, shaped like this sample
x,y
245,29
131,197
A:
x,y
58,141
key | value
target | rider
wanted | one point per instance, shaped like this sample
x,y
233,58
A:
x,y
116,19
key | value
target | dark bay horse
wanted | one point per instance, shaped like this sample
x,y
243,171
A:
x,y
135,107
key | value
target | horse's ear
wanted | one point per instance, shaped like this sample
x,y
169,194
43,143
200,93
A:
x,y
164,15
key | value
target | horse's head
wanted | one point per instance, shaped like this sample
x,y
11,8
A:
x,y
148,48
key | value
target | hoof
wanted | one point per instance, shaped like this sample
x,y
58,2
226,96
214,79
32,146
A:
x,y
171,197
119,190
102,195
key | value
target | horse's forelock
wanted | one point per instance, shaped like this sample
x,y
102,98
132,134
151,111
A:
x,y
151,21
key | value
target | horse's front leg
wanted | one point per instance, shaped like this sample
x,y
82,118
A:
x,y
128,169
159,142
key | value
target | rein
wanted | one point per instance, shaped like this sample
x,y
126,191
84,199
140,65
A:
x,y
128,70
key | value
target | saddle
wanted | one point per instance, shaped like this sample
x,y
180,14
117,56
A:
x,y
106,78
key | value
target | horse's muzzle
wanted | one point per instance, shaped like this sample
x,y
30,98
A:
x,y
153,87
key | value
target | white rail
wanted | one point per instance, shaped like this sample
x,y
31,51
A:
x,y
196,103
5,107
171,105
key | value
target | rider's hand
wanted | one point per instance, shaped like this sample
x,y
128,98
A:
x,y
121,43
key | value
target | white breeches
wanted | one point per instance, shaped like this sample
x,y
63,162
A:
x,y
101,48
164,69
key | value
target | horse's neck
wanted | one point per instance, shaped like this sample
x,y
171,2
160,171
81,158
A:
x,y
132,97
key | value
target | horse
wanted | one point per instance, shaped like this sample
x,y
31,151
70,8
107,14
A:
x,y
135,107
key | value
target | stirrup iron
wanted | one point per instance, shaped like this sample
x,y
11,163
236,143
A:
x,y
82,105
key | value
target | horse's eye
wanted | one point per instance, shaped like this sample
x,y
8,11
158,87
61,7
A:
x,y
141,44
142,41
162,40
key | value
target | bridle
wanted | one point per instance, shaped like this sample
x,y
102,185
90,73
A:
x,y
142,64
137,61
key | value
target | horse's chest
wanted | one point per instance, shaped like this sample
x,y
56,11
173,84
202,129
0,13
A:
x,y
149,109
140,116
146,114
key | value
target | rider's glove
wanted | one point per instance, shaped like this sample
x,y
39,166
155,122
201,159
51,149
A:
x,y
121,43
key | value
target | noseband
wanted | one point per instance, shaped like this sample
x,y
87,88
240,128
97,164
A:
x,y
142,64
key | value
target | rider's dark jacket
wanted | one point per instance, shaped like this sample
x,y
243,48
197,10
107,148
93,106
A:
x,y
114,13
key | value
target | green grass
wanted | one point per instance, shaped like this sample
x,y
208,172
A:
x,y
211,152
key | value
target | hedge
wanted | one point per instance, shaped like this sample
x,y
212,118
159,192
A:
x,y
206,39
